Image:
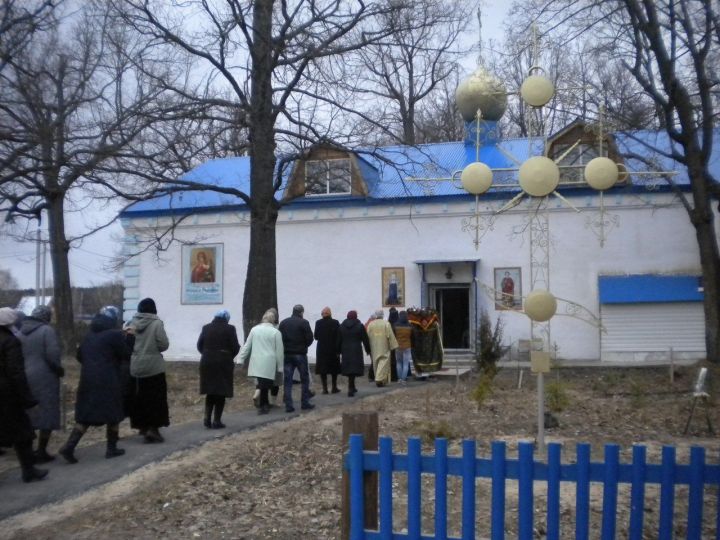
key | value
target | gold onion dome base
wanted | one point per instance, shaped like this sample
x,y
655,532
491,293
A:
x,y
483,91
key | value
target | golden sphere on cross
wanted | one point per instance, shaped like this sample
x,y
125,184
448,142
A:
x,y
601,173
537,90
540,305
539,176
476,178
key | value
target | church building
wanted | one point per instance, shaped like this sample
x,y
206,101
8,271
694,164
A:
x,y
398,227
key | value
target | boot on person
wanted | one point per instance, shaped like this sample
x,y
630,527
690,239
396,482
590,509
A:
x,y
153,436
208,413
25,456
112,439
323,379
41,455
217,415
68,449
335,388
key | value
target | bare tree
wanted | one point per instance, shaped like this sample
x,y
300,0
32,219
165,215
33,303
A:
x,y
19,20
7,280
79,112
268,56
395,75
671,49
438,118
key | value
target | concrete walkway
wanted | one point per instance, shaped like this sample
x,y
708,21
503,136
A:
x,y
65,481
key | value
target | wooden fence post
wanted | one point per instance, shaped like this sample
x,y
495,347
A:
x,y
366,424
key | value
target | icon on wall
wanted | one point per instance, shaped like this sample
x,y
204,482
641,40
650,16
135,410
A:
x,y
393,286
202,269
508,288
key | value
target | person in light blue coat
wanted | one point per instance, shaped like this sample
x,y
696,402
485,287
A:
x,y
264,354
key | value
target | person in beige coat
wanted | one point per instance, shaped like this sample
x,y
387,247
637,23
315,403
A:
x,y
382,341
263,351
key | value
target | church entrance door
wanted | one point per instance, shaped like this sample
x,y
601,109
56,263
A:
x,y
453,307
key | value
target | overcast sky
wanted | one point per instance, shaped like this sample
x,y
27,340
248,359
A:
x,y
90,260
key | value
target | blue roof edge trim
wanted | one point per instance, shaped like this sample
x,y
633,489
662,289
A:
x,y
649,288
345,202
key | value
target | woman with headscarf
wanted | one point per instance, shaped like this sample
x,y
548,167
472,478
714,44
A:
x,y
99,398
15,398
218,344
327,360
352,338
147,367
43,368
264,355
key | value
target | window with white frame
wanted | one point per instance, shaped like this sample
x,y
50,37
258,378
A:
x,y
328,177
572,165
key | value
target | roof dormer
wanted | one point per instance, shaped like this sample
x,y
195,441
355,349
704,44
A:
x,y
326,172
573,147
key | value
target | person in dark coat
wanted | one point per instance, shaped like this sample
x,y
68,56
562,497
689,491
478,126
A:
x,y
297,337
99,398
15,398
352,338
218,344
327,360
43,368
393,319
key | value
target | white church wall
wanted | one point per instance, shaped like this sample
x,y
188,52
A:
x,y
160,278
334,257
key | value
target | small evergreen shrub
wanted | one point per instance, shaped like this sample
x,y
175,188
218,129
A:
x,y
488,347
556,396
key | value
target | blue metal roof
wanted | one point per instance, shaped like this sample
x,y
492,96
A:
x,y
228,172
649,288
408,173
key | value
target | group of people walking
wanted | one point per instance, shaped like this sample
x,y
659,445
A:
x,y
272,353
122,374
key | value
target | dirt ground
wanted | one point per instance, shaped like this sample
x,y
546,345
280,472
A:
x,y
283,481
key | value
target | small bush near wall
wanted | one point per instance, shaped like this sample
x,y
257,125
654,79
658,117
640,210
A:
x,y
489,347
488,350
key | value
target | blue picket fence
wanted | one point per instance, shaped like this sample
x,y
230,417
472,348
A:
x,y
702,481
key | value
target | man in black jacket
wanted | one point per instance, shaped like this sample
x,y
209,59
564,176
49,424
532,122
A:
x,y
297,337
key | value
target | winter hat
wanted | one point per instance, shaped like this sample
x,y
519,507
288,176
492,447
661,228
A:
x,y
147,305
7,316
352,314
111,312
42,313
223,314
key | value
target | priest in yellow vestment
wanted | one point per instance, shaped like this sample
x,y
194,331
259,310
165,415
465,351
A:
x,y
382,341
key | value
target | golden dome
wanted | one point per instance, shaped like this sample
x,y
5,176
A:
x,y
483,91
